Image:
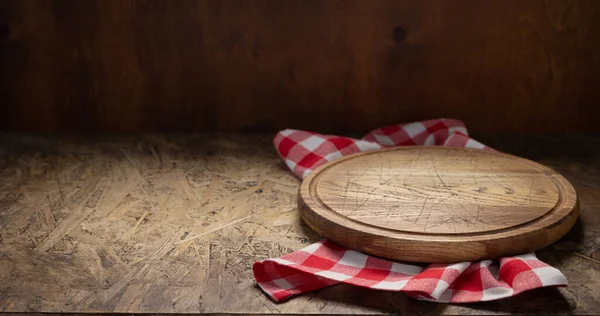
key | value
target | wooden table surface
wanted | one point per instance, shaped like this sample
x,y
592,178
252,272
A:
x,y
173,224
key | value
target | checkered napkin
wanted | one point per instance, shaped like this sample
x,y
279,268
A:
x,y
324,263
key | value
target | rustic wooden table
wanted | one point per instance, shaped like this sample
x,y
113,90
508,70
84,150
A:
x,y
173,224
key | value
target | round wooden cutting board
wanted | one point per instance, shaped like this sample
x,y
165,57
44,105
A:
x,y
438,204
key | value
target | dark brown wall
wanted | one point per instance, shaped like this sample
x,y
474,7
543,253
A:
x,y
527,66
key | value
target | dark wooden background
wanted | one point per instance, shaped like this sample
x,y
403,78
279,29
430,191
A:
x,y
514,66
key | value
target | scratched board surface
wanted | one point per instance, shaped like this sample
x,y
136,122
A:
x,y
439,204
172,224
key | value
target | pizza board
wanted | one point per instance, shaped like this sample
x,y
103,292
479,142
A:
x,y
438,204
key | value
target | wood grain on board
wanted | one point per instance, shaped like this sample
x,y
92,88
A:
x,y
173,224
263,65
438,204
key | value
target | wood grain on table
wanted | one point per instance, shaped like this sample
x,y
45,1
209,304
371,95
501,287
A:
x,y
173,224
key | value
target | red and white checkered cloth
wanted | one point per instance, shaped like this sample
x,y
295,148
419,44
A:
x,y
324,263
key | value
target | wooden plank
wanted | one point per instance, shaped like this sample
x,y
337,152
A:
x,y
191,256
500,65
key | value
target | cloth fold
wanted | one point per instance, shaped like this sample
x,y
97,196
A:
x,y
325,264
